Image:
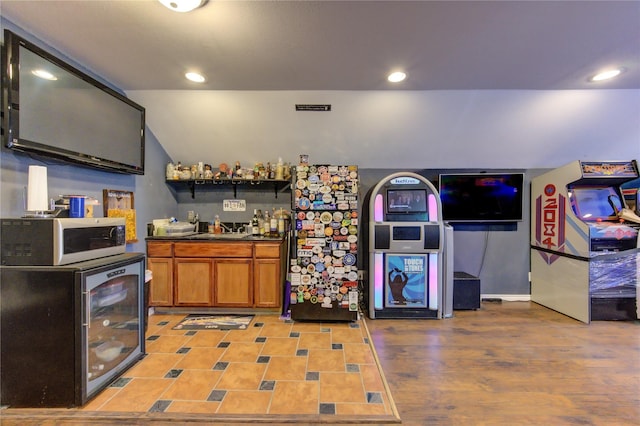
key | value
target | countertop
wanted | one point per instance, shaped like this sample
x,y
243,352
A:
x,y
199,237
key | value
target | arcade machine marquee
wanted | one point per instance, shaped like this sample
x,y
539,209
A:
x,y
585,250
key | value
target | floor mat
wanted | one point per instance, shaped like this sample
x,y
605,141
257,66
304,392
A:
x,y
214,322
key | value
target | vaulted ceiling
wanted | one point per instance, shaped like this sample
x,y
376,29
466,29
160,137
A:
x,y
343,45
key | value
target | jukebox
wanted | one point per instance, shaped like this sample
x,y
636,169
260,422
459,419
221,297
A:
x,y
410,263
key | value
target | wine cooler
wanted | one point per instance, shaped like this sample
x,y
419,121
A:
x,y
68,331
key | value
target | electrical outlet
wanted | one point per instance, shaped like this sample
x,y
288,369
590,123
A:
x,y
361,274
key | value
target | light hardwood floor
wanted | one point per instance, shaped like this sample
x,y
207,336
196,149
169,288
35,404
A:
x,y
511,363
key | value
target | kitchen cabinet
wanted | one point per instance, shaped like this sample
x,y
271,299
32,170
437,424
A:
x,y
233,282
267,272
193,284
160,263
218,273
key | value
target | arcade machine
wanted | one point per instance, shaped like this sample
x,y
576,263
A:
x,y
410,262
585,256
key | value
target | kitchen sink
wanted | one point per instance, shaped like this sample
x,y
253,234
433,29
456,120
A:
x,y
224,236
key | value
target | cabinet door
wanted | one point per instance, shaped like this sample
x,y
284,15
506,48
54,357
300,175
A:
x,y
268,291
234,282
161,285
194,282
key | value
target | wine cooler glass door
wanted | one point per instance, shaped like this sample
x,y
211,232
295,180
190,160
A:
x,y
112,323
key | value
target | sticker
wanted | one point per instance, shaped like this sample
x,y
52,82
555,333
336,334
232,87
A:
x,y
304,204
313,299
306,279
301,184
345,231
301,215
310,215
349,259
325,189
337,216
352,238
295,268
327,198
352,276
319,267
353,230
325,218
328,231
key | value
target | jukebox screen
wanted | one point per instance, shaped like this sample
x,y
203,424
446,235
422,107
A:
x,y
406,281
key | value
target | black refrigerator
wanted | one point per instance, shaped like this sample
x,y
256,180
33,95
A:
x,y
324,268
67,332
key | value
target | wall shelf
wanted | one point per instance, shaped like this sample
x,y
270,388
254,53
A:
x,y
276,185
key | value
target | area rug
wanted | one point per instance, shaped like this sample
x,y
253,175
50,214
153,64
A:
x,y
214,322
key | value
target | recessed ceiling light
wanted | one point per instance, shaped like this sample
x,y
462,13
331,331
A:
x,y
606,75
396,77
195,77
44,74
183,5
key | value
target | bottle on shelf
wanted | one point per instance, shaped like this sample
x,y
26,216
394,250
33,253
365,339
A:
x,y
255,226
279,169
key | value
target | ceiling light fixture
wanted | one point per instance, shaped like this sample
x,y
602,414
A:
x,y
396,77
195,77
606,75
44,74
183,5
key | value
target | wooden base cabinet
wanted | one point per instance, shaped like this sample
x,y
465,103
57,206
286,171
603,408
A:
x,y
193,282
161,286
160,263
233,282
268,288
216,274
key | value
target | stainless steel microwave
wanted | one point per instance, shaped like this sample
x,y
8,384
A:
x,y
59,241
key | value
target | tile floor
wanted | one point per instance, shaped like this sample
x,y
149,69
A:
x,y
274,367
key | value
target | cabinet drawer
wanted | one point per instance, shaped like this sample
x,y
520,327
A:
x,y
267,250
213,249
159,249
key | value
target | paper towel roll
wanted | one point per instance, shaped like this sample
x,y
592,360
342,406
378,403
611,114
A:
x,y
37,195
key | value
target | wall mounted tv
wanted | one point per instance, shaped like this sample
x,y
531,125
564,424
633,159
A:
x,y
55,110
481,197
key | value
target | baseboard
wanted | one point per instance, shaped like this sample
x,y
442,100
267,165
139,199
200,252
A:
x,y
507,297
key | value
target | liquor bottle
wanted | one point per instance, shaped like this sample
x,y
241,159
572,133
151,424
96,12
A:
x,y
264,229
261,224
281,223
255,226
217,229
273,224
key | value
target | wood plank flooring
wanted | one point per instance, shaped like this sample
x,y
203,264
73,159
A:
x,y
510,363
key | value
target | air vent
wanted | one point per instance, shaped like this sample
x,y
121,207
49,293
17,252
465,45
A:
x,y
313,107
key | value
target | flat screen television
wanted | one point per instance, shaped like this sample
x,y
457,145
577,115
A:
x,y
55,110
481,197
406,201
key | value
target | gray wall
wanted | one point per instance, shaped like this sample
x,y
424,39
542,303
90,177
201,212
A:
x,y
381,132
